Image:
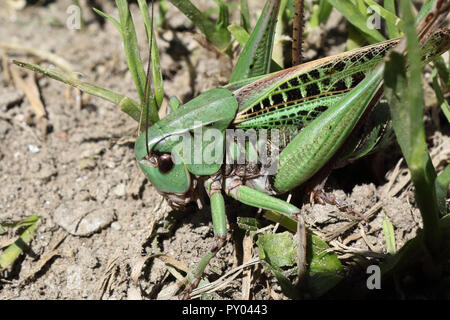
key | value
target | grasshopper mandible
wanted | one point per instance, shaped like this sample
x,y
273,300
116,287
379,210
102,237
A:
x,y
315,107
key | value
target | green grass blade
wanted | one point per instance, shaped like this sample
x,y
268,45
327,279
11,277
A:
x,y
256,56
158,83
128,105
218,37
278,51
444,178
245,16
242,37
439,95
163,7
111,19
223,20
353,15
131,47
411,253
405,95
391,19
392,30
443,70
442,184
11,253
389,235
127,30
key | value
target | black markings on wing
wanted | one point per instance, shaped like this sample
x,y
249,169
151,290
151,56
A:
x,y
303,97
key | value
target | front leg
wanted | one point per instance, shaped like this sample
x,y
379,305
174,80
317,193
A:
x,y
259,199
220,233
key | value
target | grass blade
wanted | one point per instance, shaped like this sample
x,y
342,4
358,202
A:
x,y
127,105
389,235
439,95
443,70
11,253
392,30
256,56
127,30
158,83
442,183
245,16
405,95
218,37
353,15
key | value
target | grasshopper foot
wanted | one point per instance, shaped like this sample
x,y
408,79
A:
x,y
319,195
197,273
186,294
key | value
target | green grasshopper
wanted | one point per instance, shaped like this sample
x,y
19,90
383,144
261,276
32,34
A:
x,y
318,110
324,113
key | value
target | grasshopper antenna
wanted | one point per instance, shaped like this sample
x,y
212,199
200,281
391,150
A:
x,y
147,87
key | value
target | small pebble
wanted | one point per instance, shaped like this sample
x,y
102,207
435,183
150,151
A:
x,y
82,219
33,148
116,226
87,163
120,190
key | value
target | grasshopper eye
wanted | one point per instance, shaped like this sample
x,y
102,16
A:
x,y
165,163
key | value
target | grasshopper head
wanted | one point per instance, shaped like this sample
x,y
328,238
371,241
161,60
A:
x,y
167,162
171,178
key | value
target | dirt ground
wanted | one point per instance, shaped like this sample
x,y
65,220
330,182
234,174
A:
x,y
104,232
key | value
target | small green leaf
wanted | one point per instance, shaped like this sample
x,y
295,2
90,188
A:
x,y
404,92
325,269
239,33
245,16
280,251
277,249
110,18
286,285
